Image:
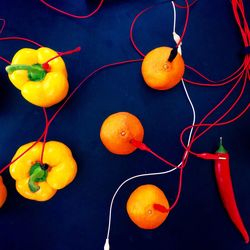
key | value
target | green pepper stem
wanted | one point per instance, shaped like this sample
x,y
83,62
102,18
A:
x,y
11,68
35,72
38,173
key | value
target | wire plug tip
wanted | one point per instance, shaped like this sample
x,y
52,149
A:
x,y
106,246
208,156
46,67
78,49
176,38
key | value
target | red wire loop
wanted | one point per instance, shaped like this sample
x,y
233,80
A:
x,y
72,15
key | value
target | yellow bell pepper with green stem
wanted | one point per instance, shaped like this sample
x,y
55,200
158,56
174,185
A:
x,y
40,181
40,86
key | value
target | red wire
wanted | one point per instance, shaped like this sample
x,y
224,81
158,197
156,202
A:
x,y
45,134
18,157
131,36
217,84
5,60
217,124
246,63
246,38
236,5
185,25
179,190
21,39
185,156
14,38
218,120
72,15
184,7
227,112
209,80
162,159
246,28
46,65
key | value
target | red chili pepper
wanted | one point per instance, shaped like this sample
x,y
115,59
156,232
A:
x,y
224,182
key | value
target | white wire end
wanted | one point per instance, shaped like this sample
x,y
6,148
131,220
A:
x,y
176,37
106,246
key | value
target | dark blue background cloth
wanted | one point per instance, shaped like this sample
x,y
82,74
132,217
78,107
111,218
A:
x,y
77,216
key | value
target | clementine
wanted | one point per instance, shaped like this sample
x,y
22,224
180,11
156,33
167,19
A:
x,y
158,72
3,192
118,130
148,207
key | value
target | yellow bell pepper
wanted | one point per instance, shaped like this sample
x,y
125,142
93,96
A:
x,y
38,85
40,182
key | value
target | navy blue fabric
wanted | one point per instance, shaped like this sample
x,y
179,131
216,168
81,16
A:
x,y
77,217
247,50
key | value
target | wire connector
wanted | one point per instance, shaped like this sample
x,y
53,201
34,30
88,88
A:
x,y
208,156
140,145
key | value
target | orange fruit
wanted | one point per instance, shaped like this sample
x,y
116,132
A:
x,y
158,72
118,130
3,192
148,207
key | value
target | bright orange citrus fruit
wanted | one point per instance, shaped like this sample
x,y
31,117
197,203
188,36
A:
x,y
160,74
118,130
3,192
148,207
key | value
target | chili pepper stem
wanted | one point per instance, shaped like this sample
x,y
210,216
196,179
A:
x,y
221,148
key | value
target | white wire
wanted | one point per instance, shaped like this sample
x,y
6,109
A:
x,y
106,246
174,12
